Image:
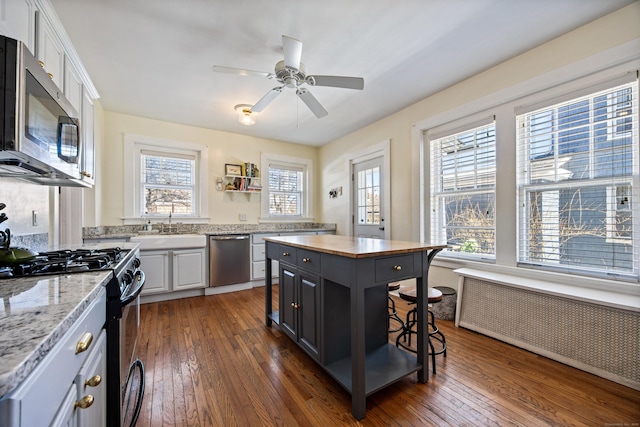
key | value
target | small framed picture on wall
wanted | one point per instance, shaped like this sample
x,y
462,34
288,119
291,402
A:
x,y
234,170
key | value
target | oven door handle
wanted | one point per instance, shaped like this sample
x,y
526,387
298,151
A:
x,y
139,278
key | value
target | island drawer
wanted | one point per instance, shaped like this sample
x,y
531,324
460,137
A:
x,y
394,268
308,260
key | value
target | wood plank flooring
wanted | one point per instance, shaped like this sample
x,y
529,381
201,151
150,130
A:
x,y
212,361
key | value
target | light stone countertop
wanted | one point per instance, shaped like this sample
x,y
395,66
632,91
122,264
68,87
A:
x,y
35,313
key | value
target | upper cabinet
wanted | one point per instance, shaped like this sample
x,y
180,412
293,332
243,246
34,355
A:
x,y
87,168
49,50
17,20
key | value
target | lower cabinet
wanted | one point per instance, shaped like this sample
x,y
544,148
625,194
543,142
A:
x,y
300,307
173,270
68,387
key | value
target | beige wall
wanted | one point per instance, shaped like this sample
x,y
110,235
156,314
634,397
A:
x,y
224,147
617,29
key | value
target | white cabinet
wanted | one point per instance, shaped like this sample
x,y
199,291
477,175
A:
x,y
17,20
87,166
52,393
173,270
49,50
189,269
258,269
72,85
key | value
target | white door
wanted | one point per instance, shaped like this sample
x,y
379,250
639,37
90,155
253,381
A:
x,y
368,203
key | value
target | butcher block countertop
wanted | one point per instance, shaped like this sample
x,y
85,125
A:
x,y
352,247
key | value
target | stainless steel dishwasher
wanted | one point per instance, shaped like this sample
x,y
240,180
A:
x,y
229,261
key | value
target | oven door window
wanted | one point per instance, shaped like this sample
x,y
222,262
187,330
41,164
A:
x,y
47,124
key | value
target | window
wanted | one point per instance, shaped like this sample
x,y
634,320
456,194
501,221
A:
x,y
577,181
463,180
287,193
168,184
166,178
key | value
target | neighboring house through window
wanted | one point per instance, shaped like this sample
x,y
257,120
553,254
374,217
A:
x,y
578,180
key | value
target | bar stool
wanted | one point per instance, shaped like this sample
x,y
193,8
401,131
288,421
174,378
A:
x,y
404,338
393,314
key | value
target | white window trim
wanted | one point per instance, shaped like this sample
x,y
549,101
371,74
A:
x,y
133,145
308,196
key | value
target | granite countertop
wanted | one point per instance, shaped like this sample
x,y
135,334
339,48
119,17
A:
x,y
36,313
128,231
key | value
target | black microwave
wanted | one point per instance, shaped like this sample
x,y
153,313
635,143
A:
x,y
39,128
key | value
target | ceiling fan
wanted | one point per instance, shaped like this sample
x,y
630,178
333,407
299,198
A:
x,y
291,73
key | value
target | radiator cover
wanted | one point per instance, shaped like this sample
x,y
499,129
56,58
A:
x,y
598,339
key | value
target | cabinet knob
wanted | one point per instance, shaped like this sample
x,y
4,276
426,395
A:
x,y
306,259
84,342
50,76
94,381
285,253
41,64
84,403
397,267
87,174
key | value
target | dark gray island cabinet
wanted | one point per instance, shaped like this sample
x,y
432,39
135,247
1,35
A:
x,y
333,303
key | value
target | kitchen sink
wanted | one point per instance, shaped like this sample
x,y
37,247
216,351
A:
x,y
170,241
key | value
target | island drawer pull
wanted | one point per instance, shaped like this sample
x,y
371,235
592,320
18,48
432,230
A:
x,y
397,267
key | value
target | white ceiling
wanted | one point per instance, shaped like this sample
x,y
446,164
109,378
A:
x,y
153,58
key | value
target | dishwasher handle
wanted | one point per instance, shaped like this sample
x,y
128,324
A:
x,y
243,237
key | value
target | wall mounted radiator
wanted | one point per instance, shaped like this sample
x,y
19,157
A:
x,y
599,339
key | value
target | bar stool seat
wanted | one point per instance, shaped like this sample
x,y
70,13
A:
x,y
393,314
404,338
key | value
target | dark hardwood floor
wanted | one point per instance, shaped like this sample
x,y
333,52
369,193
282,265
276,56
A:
x,y
211,361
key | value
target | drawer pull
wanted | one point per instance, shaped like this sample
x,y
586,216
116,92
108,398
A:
x,y
306,259
84,342
285,253
94,381
84,403
397,267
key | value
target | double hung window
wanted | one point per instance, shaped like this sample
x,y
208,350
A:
x,y
578,182
287,194
463,181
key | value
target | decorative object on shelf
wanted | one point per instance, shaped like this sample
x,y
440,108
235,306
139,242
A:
x,y
232,170
245,115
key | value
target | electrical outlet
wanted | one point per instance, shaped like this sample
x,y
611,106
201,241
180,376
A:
x,y
243,216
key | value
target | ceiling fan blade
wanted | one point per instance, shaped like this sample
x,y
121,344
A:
x,y
266,100
292,50
337,81
311,102
239,71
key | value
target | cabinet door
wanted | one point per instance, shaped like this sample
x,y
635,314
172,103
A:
x,y
49,50
72,85
155,265
288,311
17,20
87,168
66,416
308,312
188,269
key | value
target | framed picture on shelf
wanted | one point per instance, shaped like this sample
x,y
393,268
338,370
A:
x,y
234,170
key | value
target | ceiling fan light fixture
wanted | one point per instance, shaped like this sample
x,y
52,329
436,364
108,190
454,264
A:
x,y
245,115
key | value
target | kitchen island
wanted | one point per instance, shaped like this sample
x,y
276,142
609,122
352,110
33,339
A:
x,y
333,303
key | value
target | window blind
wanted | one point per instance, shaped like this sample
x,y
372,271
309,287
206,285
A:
x,y
578,180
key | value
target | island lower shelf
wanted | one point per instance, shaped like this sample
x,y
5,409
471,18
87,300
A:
x,y
383,366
